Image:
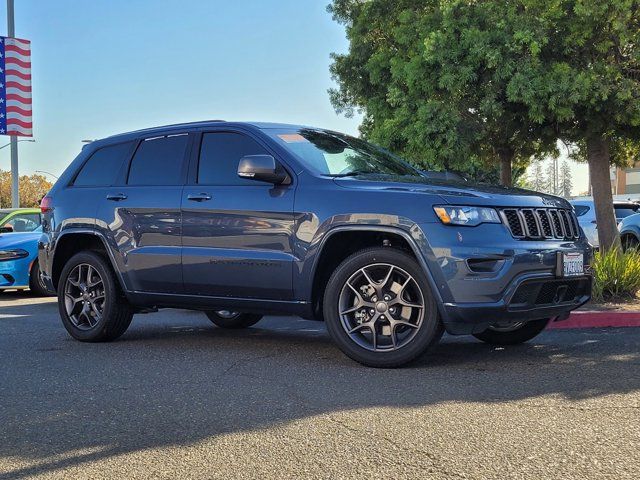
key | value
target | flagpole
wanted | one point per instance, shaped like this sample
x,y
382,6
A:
x,y
15,179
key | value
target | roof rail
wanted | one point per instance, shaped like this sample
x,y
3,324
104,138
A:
x,y
161,127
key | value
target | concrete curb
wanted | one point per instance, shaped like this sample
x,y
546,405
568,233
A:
x,y
593,319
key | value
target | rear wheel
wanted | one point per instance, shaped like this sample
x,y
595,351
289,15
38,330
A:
x,y
379,308
512,334
91,305
233,320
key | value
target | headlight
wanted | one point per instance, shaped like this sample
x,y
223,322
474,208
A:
x,y
466,216
6,255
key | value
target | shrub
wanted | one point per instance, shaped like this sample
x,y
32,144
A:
x,y
616,274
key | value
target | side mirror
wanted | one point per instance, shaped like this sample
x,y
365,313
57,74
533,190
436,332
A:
x,y
263,168
6,229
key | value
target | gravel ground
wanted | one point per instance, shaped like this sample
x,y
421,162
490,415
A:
x,y
178,398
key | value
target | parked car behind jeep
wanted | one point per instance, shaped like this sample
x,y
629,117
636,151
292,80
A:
x,y
19,220
586,213
245,219
19,267
629,229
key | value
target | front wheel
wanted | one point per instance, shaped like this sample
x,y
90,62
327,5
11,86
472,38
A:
x,y
512,334
232,320
629,242
379,308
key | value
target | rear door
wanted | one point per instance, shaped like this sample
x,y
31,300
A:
x,y
141,216
85,197
237,233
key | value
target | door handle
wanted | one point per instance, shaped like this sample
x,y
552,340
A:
x,y
116,197
200,197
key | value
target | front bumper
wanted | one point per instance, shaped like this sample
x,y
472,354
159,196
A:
x,y
483,276
15,273
529,299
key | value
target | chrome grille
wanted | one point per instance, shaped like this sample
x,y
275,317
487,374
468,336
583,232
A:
x,y
541,223
512,219
530,223
566,223
545,223
558,231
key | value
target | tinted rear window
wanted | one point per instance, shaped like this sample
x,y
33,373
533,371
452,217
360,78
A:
x,y
158,161
220,154
581,210
102,167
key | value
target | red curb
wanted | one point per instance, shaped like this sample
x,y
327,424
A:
x,y
590,319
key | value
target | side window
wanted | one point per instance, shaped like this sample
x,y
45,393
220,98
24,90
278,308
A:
x,y
220,154
27,222
103,166
624,211
158,161
580,210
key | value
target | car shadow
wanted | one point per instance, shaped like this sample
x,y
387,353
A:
x,y
174,379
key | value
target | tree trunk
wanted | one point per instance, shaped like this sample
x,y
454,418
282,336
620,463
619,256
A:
x,y
506,177
599,163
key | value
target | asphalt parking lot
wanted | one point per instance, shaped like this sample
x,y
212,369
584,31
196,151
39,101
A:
x,y
178,398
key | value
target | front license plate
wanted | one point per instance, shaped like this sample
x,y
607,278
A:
x,y
572,264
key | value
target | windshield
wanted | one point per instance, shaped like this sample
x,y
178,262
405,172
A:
x,y
335,154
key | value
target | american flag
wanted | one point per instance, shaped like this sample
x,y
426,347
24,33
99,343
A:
x,y
15,87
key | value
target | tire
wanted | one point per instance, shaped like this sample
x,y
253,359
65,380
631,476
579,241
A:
x,y
103,298
512,336
232,320
36,285
402,332
629,241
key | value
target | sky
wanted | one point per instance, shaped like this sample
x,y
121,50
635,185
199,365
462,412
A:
x,y
109,66
102,67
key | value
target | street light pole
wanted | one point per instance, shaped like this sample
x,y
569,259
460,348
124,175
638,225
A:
x,y
9,144
48,173
15,180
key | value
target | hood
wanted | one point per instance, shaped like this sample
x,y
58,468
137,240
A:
x,y
17,240
454,192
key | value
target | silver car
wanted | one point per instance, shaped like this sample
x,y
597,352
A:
x,y
630,231
586,213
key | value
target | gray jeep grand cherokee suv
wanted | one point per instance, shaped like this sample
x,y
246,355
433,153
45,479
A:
x,y
243,219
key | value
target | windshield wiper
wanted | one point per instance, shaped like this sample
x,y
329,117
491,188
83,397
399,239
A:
x,y
347,174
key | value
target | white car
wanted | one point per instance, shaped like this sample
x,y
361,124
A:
x,y
630,231
586,213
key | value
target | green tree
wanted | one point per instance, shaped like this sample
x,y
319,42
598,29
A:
x,y
550,183
536,177
582,74
431,79
458,82
565,183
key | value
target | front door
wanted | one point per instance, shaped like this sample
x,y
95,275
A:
x,y
237,233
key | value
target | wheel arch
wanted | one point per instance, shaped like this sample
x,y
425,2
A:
x,y
74,241
350,239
